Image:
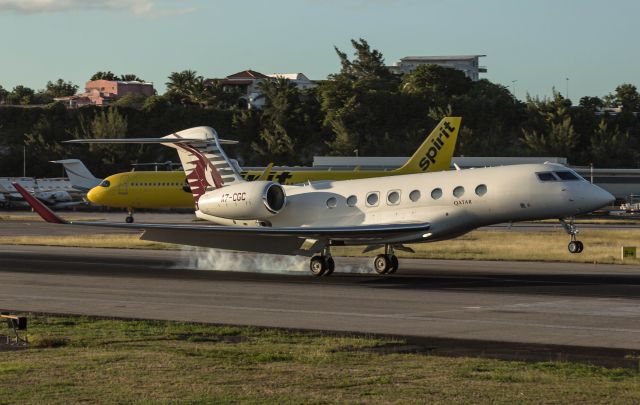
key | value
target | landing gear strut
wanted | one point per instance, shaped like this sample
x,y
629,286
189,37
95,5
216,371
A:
x,y
129,218
386,263
322,265
575,246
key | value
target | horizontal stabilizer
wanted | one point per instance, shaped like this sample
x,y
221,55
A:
x,y
147,140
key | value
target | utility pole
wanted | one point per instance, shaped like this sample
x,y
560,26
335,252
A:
x,y
567,92
513,88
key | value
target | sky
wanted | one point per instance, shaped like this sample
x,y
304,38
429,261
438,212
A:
x,y
531,46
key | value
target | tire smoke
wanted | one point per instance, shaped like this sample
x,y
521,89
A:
x,y
197,258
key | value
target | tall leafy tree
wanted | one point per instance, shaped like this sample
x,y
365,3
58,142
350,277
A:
x,y
357,103
557,136
20,95
626,96
60,88
108,75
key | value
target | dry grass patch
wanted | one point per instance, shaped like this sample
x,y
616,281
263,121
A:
x,y
601,246
120,241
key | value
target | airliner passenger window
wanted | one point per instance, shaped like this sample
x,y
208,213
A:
x,y
332,202
436,193
352,201
372,199
393,197
458,191
568,176
414,195
481,190
546,176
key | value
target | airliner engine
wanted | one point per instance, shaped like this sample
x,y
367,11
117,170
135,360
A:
x,y
247,200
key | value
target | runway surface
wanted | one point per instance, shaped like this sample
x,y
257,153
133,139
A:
x,y
498,303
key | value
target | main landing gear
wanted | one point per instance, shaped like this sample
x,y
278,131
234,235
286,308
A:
x,y
322,265
575,246
129,218
386,263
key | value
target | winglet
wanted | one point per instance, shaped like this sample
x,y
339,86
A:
x,y
38,206
436,151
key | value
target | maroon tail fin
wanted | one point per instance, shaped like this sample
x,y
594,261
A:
x,y
38,206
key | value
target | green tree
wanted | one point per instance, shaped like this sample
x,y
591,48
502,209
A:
x,y
106,123
60,88
186,87
132,100
360,104
626,96
591,103
610,146
130,78
3,95
557,136
436,81
20,95
104,76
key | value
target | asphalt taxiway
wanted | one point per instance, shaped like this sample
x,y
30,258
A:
x,y
509,303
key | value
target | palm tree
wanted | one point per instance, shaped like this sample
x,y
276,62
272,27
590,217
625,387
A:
x,y
186,86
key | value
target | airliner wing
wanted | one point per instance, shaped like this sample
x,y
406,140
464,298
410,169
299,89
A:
x,y
280,240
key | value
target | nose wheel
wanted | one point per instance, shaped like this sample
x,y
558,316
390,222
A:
x,y
386,263
575,246
129,218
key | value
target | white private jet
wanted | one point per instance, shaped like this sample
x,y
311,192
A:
x,y
54,192
308,219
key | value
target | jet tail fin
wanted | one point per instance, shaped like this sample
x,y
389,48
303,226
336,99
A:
x,y
81,178
204,162
436,151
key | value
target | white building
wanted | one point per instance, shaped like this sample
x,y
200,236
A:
x,y
301,81
468,64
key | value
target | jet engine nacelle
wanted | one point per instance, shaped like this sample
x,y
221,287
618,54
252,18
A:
x,y
247,200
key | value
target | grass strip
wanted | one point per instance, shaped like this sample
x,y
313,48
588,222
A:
x,y
80,359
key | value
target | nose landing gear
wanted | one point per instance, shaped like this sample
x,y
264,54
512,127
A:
x,y
575,246
129,218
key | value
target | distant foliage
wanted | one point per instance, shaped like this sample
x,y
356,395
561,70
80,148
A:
x,y
362,108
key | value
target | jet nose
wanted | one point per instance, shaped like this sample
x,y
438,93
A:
x,y
94,195
600,198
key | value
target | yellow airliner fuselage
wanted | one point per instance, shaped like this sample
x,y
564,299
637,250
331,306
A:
x,y
143,190
170,190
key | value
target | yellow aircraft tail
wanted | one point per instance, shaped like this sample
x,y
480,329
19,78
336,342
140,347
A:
x,y
436,151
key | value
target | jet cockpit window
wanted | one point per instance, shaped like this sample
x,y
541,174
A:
x,y
567,176
546,176
105,183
